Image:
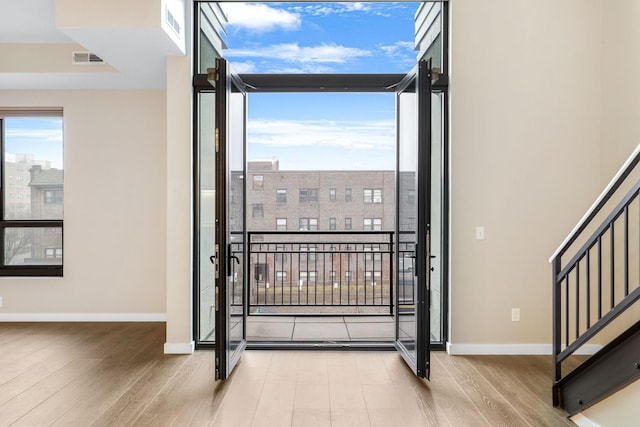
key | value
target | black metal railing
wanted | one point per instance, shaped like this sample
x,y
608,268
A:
x,y
601,279
320,269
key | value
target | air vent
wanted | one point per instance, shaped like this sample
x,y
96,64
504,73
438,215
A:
x,y
86,58
173,22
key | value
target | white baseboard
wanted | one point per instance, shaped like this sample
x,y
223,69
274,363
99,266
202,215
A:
x,y
83,317
512,349
582,421
179,348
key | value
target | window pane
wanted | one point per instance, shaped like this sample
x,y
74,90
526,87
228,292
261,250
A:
x,y
33,246
33,170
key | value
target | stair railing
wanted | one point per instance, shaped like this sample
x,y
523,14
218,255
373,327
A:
x,y
588,292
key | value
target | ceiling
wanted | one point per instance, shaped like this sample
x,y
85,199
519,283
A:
x,y
136,56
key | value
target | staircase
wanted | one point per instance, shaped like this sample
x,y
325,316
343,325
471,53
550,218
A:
x,y
596,297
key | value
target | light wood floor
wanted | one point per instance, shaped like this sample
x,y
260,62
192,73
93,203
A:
x,y
115,374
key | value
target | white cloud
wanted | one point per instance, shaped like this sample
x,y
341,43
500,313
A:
x,y
340,8
352,135
244,67
292,52
260,17
398,48
54,135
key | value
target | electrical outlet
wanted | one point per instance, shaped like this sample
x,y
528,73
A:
x,y
515,314
479,233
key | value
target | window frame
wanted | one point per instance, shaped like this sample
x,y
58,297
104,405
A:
x,y
26,270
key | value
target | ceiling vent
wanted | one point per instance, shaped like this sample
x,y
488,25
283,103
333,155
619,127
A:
x,y
85,58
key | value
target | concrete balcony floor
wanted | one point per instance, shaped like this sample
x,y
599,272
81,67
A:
x,y
320,328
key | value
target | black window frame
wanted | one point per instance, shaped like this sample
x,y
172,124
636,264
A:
x,y
33,270
281,195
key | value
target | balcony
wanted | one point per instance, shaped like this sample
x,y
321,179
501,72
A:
x,y
336,285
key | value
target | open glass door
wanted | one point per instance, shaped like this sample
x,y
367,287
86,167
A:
x,y
230,250
413,104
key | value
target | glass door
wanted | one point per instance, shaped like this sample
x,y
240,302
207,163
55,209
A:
x,y
230,248
413,104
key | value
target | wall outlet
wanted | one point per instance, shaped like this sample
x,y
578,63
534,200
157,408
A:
x,y
515,314
479,232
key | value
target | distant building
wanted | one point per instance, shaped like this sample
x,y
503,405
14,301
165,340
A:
x,y
318,200
46,203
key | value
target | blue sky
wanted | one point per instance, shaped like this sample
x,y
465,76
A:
x,y
41,137
322,131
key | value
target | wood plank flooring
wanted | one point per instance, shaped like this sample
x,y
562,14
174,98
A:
x,y
115,374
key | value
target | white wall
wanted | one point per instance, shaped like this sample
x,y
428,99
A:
x,y
114,208
525,158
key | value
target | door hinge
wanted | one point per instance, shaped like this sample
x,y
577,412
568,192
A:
x,y
213,74
217,140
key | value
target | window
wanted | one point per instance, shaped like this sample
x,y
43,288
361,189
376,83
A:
x,y
281,224
332,194
281,196
309,276
372,277
347,275
281,276
332,275
373,195
311,256
372,224
31,218
347,223
53,253
369,256
332,223
258,210
308,195
308,224
258,182
411,196
347,194
280,255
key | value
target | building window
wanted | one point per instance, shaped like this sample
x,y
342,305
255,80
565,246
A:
x,y
372,253
347,194
332,223
258,210
31,215
347,275
308,195
281,224
280,255
332,275
373,195
372,277
347,223
308,224
372,224
281,196
281,276
411,196
332,194
53,253
258,182
311,255
308,276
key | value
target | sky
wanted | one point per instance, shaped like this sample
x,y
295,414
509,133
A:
x,y
328,130
41,137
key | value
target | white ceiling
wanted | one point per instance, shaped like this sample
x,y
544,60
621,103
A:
x,y
138,54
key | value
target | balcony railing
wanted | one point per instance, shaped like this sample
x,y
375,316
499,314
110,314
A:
x,y
323,272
